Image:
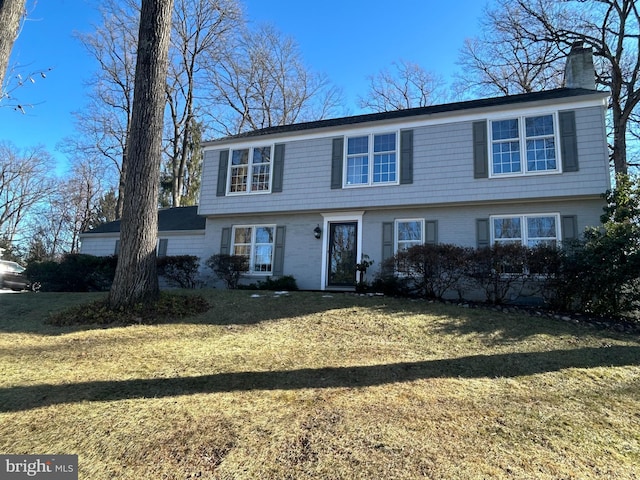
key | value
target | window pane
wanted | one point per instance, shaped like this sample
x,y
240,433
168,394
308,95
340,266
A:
x,y
240,157
262,258
239,179
261,155
264,234
356,145
411,230
507,228
384,168
539,126
541,227
409,234
358,170
242,250
504,129
506,157
384,143
541,154
242,235
260,178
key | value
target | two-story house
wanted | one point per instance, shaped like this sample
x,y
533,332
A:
x,y
311,199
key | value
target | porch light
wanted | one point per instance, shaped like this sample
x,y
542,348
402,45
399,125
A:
x,y
317,232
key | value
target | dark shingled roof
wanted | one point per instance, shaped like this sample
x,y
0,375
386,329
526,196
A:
x,y
169,219
414,112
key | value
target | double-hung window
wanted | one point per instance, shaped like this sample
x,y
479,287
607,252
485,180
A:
x,y
256,243
250,170
524,145
371,159
409,233
528,230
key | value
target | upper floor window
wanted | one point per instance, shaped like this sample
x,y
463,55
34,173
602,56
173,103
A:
x,y
371,160
528,230
250,170
256,242
524,145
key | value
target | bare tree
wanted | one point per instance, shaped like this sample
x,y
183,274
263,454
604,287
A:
x,y
504,60
547,29
611,28
261,81
11,11
25,182
136,278
407,85
83,192
105,123
199,28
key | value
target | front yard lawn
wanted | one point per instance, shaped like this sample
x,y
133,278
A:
x,y
309,385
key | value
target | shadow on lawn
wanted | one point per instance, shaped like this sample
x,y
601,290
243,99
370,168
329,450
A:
x,y
476,366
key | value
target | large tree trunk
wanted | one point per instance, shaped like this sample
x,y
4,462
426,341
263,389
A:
x,y
10,13
136,279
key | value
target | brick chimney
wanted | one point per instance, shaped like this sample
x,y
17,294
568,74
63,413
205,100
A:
x,y
579,71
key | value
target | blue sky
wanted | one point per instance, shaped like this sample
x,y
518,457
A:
x,y
346,40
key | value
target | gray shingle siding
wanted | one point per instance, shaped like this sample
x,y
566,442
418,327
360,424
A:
x,y
303,252
443,173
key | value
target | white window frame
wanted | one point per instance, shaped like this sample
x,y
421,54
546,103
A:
x,y
524,230
522,141
252,247
396,247
370,158
251,189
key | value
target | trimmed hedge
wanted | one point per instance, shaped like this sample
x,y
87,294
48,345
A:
x,y
74,273
598,275
89,273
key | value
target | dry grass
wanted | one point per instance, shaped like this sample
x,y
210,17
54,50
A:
x,y
315,386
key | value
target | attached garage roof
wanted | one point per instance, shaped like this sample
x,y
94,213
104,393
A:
x,y
169,220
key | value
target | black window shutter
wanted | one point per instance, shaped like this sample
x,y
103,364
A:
x,y
116,250
225,241
406,157
278,168
336,162
480,150
483,233
431,232
568,141
387,240
278,254
569,227
222,173
162,247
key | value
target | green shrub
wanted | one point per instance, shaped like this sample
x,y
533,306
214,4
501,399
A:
x,y
228,268
179,270
287,282
74,273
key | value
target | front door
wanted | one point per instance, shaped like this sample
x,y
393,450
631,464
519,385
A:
x,y
343,247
